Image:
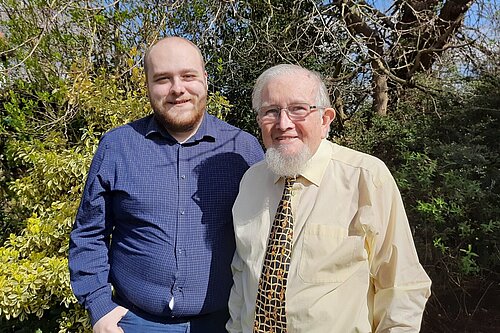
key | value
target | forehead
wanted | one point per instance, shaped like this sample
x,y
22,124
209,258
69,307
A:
x,y
290,88
173,56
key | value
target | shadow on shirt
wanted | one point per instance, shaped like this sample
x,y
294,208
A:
x,y
218,184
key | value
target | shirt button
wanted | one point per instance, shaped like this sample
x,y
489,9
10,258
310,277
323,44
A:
x,y
182,212
183,177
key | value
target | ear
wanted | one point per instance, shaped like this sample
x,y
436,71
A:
x,y
326,120
206,79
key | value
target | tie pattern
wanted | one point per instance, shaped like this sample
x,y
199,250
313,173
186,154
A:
x,y
270,315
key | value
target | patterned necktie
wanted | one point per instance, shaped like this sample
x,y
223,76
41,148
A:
x,y
270,314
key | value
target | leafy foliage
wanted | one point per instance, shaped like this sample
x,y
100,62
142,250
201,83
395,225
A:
x,y
445,158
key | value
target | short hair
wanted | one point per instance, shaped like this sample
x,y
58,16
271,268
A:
x,y
322,98
146,55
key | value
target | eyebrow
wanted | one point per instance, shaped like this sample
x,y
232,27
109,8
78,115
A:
x,y
183,71
264,105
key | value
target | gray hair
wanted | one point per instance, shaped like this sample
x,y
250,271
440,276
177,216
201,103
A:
x,y
322,98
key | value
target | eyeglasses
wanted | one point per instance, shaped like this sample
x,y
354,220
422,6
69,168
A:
x,y
295,112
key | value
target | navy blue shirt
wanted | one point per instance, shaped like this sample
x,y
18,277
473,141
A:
x,y
155,219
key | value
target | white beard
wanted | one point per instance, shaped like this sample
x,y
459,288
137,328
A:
x,y
287,165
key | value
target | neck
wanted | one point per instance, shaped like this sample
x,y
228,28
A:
x,y
183,136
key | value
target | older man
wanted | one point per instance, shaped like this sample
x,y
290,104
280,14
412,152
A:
x,y
155,217
335,254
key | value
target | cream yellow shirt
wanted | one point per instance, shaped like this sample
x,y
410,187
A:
x,y
354,267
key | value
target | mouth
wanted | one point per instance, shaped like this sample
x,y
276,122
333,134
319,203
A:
x,y
179,102
285,139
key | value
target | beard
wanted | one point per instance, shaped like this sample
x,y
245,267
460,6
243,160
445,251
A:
x,y
178,121
287,165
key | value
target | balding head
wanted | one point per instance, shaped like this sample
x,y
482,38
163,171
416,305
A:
x,y
171,42
291,71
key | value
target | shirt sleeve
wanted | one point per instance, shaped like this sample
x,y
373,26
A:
x,y
236,297
257,153
401,286
89,243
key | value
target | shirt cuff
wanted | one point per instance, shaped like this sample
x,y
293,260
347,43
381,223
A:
x,y
99,307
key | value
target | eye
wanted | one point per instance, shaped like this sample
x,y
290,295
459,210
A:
x,y
189,77
298,108
271,113
163,78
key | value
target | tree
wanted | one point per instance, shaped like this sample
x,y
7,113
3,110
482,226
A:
x,y
406,42
364,52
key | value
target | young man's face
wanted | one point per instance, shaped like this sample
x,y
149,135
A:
x,y
177,84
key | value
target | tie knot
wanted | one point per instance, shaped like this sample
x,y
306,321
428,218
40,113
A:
x,y
289,181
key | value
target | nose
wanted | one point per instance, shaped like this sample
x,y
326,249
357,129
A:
x,y
284,121
177,86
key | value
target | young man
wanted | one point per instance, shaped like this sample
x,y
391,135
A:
x,y
153,238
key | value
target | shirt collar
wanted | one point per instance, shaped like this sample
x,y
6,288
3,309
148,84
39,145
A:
x,y
206,131
316,165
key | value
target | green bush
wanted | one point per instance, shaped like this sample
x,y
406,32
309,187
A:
x,y
444,154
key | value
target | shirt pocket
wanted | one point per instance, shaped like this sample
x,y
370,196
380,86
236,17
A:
x,y
329,255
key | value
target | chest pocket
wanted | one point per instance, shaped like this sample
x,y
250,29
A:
x,y
329,255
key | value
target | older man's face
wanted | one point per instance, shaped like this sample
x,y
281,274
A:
x,y
289,137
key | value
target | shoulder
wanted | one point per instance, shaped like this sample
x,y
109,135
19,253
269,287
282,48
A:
x,y
229,131
257,173
354,157
258,169
126,133
236,139
366,163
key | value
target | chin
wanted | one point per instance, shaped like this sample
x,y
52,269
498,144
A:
x,y
289,150
287,163
179,121
185,125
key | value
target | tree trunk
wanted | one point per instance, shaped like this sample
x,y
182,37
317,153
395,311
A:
x,y
374,42
380,91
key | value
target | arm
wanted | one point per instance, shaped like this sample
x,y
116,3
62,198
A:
x,y
236,297
89,243
400,283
